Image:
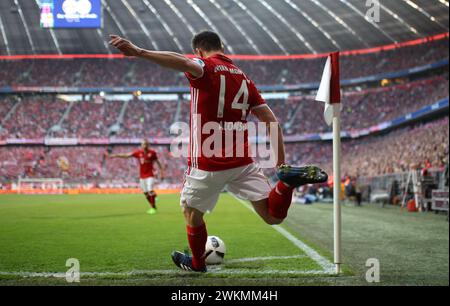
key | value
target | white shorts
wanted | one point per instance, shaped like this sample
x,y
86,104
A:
x,y
147,184
202,189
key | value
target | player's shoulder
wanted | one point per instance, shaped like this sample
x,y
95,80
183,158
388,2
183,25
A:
x,y
213,61
201,61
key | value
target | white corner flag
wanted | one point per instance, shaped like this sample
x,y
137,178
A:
x,y
330,93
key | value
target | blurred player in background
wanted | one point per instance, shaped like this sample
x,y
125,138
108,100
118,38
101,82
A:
x,y
221,93
146,158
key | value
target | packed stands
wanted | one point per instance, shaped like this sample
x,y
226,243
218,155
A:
x,y
88,119
422,146
148,119
33,117
371,106
129,72
84,164
425,146
37,114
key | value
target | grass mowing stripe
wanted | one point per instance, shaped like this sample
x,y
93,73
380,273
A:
x,y
326,265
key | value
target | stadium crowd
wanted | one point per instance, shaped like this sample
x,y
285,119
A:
x,y
88,119
80,164
129,72
36,116
366,108
423,146
151,118
33,117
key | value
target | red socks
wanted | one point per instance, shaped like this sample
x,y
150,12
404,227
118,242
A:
x,y
197,237
280,200
151,200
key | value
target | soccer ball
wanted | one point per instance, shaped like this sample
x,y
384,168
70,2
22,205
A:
x,y
215,250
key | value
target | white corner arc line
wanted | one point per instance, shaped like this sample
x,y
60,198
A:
x,y
324,263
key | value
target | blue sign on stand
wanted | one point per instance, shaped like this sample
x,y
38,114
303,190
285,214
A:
x,y
71,14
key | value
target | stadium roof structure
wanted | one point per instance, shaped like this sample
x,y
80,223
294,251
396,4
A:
x,y
251,27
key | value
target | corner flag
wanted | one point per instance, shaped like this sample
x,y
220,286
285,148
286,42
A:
x,y
330,93
330,87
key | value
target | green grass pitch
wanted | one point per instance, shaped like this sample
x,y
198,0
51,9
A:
x,y
113,238
117,243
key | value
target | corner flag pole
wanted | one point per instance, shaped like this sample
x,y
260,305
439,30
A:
x,y
330,93
337,186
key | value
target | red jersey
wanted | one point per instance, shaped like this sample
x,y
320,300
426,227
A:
x,y
224,96
145,162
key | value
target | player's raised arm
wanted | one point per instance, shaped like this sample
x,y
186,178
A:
x,y
165,59
127,155
265,114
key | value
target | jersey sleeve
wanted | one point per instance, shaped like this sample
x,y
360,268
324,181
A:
x,y
155,156
256,100
135,154
202,80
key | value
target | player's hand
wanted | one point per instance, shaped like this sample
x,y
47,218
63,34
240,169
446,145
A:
x,y
125,46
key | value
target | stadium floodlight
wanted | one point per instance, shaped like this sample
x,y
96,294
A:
x,y
330,93
40,186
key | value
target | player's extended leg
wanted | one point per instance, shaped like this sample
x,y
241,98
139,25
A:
x,y
150,195
274,209
197,236
152,199
262,209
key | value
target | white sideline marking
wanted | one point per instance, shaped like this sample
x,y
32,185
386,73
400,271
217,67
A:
x,y
217,271
325,264
212,270
261,259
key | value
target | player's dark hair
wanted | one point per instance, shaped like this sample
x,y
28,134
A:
x,y
207,41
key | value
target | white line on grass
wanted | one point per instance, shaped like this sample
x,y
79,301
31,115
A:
x,y
262,258
327,266
213,270
217,270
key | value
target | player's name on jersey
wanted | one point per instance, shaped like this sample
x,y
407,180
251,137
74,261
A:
x,y
255,129
222,68
233,126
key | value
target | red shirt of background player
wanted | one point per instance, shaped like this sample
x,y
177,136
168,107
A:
x,y
212,97
146,161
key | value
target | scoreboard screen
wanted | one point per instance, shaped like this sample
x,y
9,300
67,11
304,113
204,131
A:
x,y
71,14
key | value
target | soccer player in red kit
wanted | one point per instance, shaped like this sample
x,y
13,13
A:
x,y
146,159
223,95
